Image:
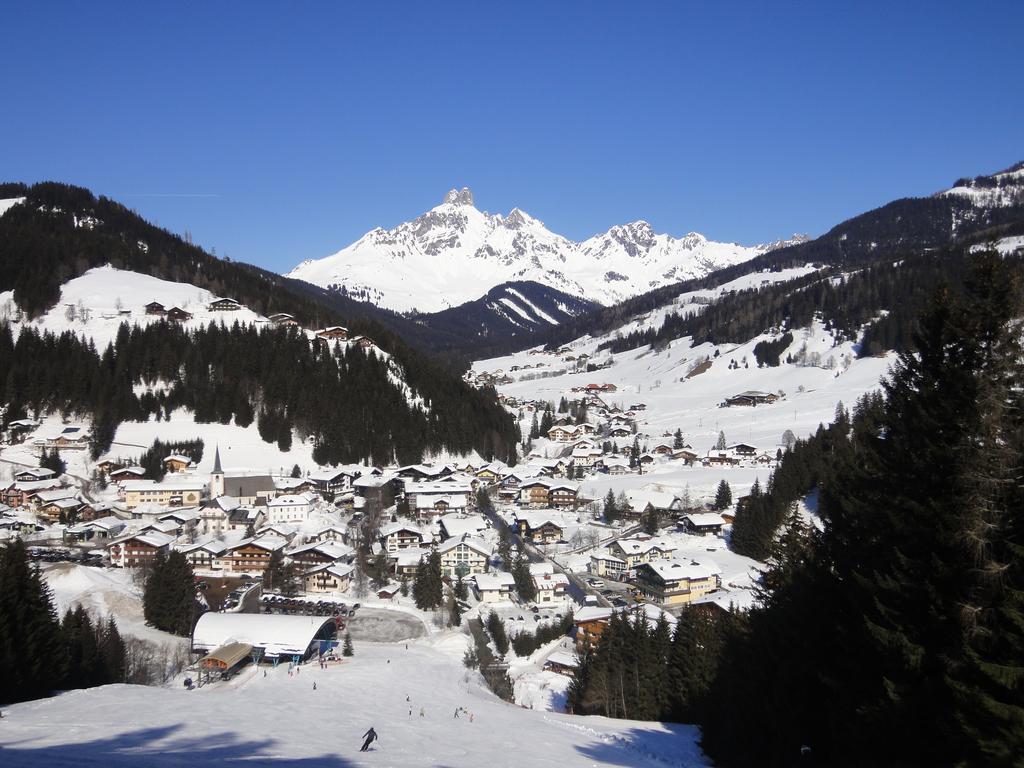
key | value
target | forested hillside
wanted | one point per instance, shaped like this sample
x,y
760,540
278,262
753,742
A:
x,y
883,263
62,231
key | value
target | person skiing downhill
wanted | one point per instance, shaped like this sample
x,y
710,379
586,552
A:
x,y
370,736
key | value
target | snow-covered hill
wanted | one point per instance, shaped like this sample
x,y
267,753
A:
x,y
682,387
280,720
455,253
94,305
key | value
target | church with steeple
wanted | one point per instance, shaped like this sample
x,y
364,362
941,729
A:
x,y
216,477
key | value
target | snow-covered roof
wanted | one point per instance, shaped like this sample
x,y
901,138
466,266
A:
x,y
474,544
277,634
456,525
704,518
393,528
290,500
669,570
332,549
562,658
494,580
341,570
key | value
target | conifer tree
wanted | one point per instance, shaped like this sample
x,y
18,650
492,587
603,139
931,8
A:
x,y
31,662
524,579
723,496
346,649
611,510
720,444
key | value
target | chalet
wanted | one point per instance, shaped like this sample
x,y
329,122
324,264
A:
x,y
330,482
750,398
224,304
534,493
156,308
178,315
106,467
18,429
561,663
138,549
463,556
456,526
437,498
744,451
538,528
35,473
21,493
620,432
685,455
590,623
553,468
333,333
488,475
701,523
293,485
290,508
405,562
585,456
319,553
644,501
662,449
641,549
363,342
562,433
493,587
720,458
214,514
252,555
60,510
616,466
207,556
127,473
550,586
281,530
73,438
177,463
100,530
676,582
397,536
283,319
332,533
330,577
423,472
94,510
563,494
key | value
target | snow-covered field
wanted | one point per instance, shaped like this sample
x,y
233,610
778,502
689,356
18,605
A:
x,y
104,592
280,720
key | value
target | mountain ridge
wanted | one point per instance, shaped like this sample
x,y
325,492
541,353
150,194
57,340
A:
x,y
455,253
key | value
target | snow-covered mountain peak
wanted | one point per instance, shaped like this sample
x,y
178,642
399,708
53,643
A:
x,y
459,197
455,253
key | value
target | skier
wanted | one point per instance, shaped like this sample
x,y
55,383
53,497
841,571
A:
x,y
314,685
370,736
457,712
422,714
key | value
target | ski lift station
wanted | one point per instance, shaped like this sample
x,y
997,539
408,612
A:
x,y
227,639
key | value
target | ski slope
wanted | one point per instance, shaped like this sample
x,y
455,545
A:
x,y
280,720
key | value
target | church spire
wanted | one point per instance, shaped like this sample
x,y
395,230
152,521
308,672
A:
x,y
216,462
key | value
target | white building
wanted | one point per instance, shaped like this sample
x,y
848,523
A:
x,y
290,508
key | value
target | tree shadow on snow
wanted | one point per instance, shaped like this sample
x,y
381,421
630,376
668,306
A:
x,y
159,748
676,745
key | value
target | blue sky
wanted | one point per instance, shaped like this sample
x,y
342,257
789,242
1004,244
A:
x,y
282,131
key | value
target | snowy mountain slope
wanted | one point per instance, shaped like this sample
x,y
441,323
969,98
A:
x,y
455,253
119,726
508,309
94,306
676,397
